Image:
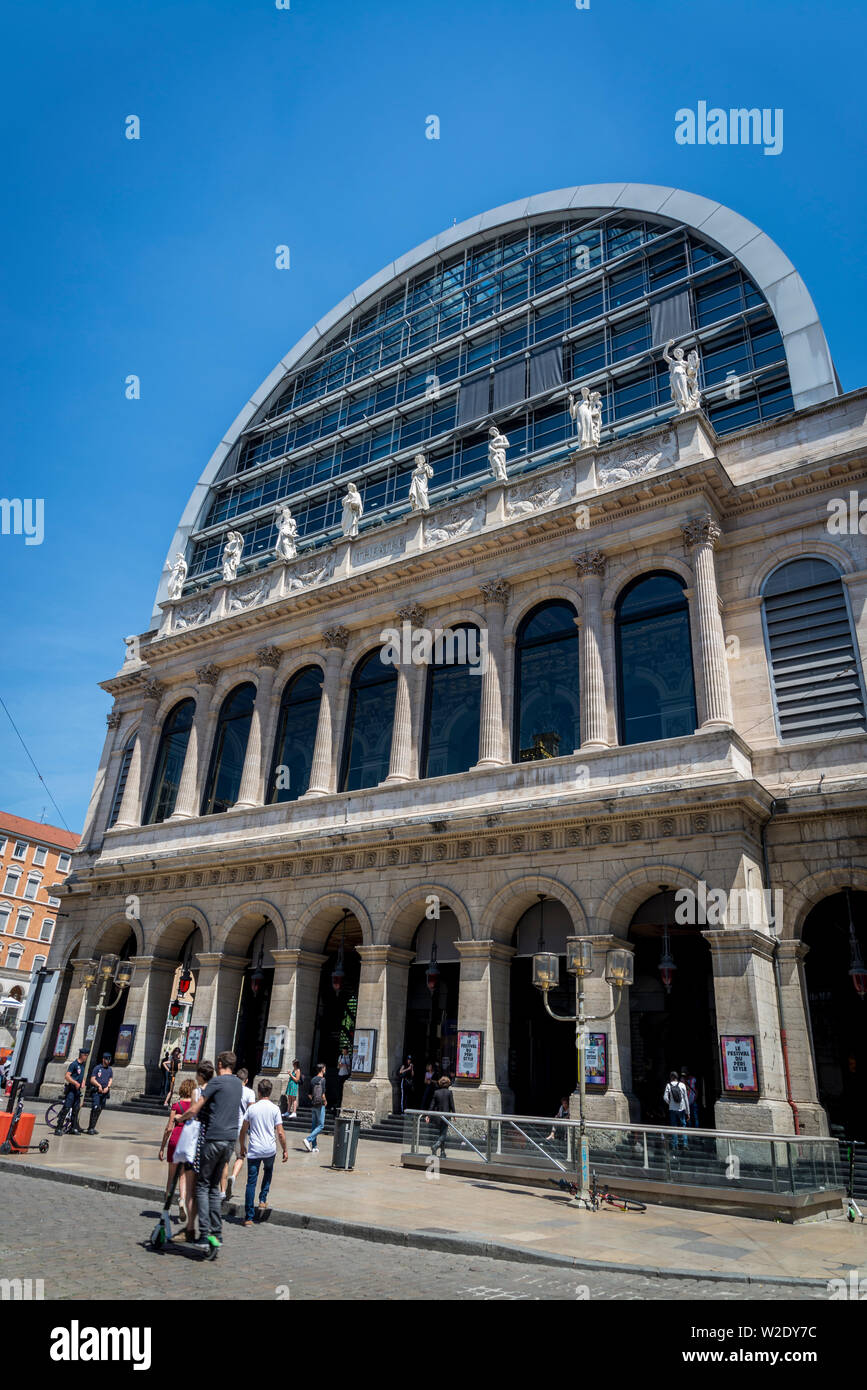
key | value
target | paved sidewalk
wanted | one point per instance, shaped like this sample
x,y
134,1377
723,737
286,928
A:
x,y
379,1193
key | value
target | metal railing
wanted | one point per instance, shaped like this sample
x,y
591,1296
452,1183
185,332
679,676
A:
x,y
778,1163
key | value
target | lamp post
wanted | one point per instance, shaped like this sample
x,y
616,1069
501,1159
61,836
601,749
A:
x,y
109,970
546,976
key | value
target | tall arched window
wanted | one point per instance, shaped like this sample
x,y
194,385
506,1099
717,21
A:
x,y
811,650
453,702
120,786
169,762
369,721
654,660
296,736
547,704
230,746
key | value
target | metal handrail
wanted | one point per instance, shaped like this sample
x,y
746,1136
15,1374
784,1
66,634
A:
x,y
549,1156
665,1130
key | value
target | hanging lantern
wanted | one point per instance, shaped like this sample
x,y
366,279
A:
x,y
174,1008
433,970
667,966
338,974
185,981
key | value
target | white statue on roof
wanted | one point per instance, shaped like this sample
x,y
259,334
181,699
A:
x,y
497,445
683,376
287,534
353,510
178,576
422,472
232,553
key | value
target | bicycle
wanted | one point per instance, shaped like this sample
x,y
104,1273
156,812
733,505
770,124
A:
x,y
601,1194
52,1115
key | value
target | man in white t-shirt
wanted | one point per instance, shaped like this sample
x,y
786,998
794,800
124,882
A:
x,y
247,1099
262,1127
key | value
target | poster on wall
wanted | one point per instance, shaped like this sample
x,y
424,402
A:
x,y
469,1064
194,1044
739,1065
272,1055
125,1040
364,1050
596,1060
62,1041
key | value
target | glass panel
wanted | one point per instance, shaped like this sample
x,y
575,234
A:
x,y
547,699
170,762
230,746
453,707
296,736
657,692
369,724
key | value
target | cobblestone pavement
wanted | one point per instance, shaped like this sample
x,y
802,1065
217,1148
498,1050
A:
x,y
87,1245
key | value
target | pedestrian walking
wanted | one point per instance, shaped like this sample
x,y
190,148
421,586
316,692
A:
x,y
292,1086
318,1101
442,1103
100,1084
261,1131
74,1079
247,1099
344,1067
174,1068
166,1073
691,1084
187,1179
430,1085
406,1080
218,1105
204,1071
676,1099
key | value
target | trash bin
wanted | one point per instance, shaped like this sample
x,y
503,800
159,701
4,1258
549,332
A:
x,y
347,1128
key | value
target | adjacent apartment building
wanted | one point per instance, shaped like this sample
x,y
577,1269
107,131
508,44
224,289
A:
x,y
34,859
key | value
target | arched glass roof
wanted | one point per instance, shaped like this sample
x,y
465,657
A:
x,y
496,321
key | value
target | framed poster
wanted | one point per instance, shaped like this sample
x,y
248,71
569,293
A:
x,y
469,1063
596,1060
272,1054
125,1040
194,1044
739,1065
62,1041
364,1050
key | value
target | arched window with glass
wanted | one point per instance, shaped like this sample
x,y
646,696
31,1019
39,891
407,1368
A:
x,y
453,702
656,686
815,673
296,736
369,723
120,785
547,722
230,746
169,762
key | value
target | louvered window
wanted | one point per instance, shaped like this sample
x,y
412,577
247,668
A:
x,y
817,683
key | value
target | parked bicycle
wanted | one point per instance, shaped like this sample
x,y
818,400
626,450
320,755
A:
x,y
600,1194
52,1115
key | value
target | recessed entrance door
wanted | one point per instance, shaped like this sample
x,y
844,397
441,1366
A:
x,y
838,1016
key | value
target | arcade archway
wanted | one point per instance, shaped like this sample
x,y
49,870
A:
x,y
337,1004
432,997
838,1016
672,1011
255,999
542,1058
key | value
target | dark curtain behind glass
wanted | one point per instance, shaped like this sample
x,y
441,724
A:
x,y
453,709
296,736
369,724
170,762
230,746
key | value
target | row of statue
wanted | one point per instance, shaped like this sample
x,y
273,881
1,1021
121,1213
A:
x,y
586,411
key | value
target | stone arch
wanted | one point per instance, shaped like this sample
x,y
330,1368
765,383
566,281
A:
x,y
241,926
407,911
173,929
170,699
314,926
799,901
456,616
110,935
229,679
623,898
500,917
648,564
546,593
290,666
801,550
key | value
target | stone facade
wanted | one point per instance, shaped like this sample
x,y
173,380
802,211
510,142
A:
x,y
596,830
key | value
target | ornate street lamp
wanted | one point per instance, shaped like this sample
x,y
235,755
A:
x,y
338,974
110,972
667,966
579,962
857,969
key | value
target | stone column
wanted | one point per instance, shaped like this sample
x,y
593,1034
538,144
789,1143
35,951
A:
x,y
381,1005
746,1003
796,1004
403,764
188,800
493,750
105,781
323,772
700,536
483,1004
612,1104
294,998
252,789
218,994
131,807
594,704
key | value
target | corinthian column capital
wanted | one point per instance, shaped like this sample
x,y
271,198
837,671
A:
x,y
496,591
336,637
591,562
412,613
699,529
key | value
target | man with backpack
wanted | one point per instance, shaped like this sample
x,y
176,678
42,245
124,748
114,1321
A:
x,y
677,1100
318,1100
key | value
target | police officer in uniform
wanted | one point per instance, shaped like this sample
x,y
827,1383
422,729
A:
x,y
100,1084
74,1079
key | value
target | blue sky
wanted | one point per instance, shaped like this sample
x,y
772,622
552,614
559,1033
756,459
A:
x,y
262,126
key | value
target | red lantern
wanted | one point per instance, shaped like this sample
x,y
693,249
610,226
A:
x,y
174,1008
338,975
184,982
433,976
